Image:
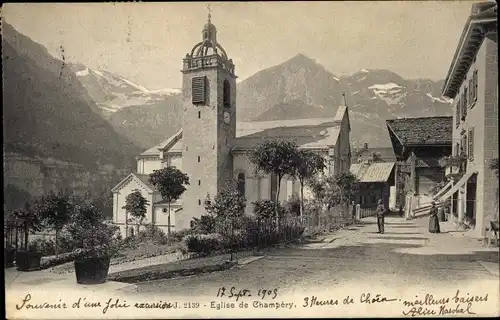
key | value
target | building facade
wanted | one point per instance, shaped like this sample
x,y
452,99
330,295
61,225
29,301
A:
x,y
472,82
419,144
376,180
212,149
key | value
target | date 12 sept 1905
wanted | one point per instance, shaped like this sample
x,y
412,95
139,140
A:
x,y
237,294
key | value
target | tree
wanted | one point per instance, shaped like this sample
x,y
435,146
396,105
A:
x,y
137,206
307,164
228,208
347,186
339,189
54,211
171,183
275,157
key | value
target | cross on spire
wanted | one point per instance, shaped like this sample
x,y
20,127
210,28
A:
x,y
209,12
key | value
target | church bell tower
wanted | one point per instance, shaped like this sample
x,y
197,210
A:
x,y
209,120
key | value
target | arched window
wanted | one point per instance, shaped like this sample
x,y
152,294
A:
x,y
241,183
226,94
131,231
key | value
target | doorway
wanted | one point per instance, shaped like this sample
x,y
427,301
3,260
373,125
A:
x,y
470,207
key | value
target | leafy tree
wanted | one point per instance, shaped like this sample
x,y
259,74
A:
x,y
276,157
171,183
137,206
228,208
348,185
205,224
307,164
54,211
339,189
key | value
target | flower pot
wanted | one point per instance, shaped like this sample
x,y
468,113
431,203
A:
x,y
9,255
92,270
28,261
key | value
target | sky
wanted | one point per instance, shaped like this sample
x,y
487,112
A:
x,y
145,42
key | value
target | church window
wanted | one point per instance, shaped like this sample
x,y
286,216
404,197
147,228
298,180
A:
x,y
199,90
199,182
241,183
274,186
199,202
199,158
199,114
226,94
131,231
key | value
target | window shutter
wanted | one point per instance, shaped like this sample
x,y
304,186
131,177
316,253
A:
x,y
474,81
466,99
464,105
471,144
199,90
471,91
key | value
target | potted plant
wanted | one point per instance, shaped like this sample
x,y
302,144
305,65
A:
x,y
97,242
29,257
9,253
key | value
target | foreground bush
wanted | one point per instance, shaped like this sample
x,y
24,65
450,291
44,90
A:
x,y
203,243
152,233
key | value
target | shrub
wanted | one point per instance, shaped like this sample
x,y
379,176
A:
x,y
203,243
44,246
152,233
178,236
292,207
205,224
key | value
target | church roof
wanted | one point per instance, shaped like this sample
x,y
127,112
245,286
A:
x,y
143,178
307,133
318,133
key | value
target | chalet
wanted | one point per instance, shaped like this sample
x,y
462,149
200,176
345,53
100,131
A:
x,y
419,144
376,180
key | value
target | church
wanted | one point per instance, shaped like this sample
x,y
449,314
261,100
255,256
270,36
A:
x,y
212,149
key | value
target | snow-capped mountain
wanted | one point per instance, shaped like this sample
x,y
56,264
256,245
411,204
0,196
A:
x,y
112,92
296,89
373,96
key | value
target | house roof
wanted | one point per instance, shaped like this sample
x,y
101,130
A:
x,y
483,17
422,131
372,172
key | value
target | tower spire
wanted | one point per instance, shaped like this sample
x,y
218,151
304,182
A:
x,y
209,13
344,103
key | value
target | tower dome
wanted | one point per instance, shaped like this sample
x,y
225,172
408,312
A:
x,y
208,46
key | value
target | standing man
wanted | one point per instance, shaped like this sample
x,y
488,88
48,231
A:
x,y
380,216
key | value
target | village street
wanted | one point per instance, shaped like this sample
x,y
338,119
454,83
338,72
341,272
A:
x,y
405,255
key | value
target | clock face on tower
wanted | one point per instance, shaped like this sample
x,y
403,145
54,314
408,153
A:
x,y
227,117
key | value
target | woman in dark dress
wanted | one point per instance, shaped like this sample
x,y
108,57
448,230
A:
x,y
433,220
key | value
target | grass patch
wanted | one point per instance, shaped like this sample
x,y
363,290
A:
x,y
174,269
